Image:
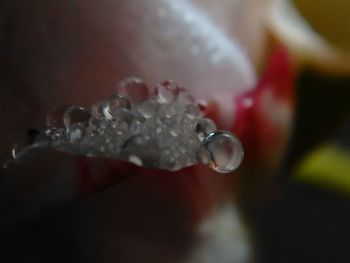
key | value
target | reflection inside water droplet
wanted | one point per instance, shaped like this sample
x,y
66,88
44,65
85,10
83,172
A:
x,y
224,150
75,114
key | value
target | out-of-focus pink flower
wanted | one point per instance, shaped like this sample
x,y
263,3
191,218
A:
x,y
264,115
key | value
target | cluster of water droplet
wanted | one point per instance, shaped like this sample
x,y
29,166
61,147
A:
x,y
162,129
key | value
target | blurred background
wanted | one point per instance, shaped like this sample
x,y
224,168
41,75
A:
x,y
274,72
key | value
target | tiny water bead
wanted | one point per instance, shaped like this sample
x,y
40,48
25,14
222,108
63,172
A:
x,y
134,89
225,151
165,129
97,110
54,118
147,109
166,92
114,103
192,111
76,132
75,114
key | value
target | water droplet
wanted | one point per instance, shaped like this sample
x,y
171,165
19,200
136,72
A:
x,y
116,102
97,110
224,150
185,99
148,109
76,132
75,114
134,89
55,117
103,124
94,123
204,127
167,92
124,115
192,111
174,133
169,111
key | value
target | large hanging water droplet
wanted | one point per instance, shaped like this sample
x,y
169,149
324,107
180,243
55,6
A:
x,y
134,89
116,102
225,151
75,114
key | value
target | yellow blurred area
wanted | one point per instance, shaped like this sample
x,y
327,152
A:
x,y
329,18
317,33
327,167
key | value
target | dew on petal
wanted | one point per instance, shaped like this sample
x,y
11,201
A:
x,y
164,130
